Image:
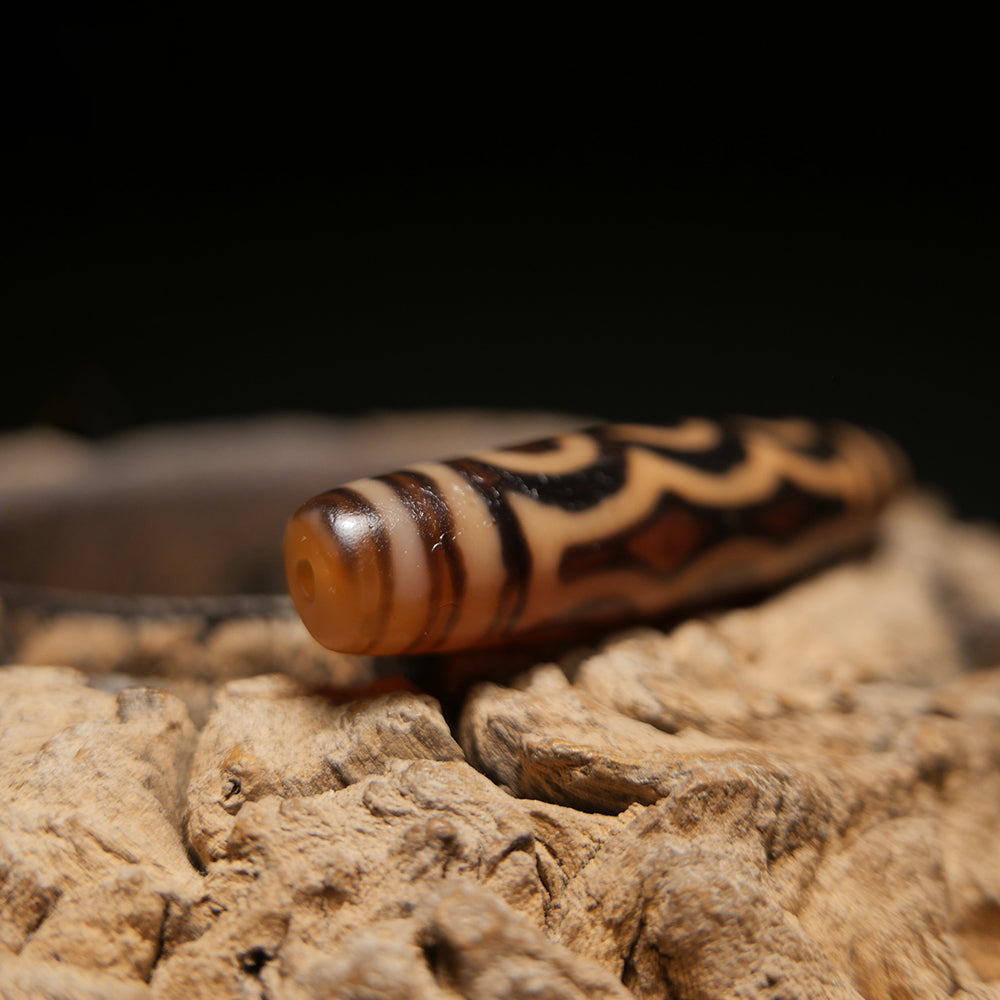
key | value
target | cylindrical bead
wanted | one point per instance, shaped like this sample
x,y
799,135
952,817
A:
x,y
601,526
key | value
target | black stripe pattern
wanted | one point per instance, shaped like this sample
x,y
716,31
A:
x,y
647,520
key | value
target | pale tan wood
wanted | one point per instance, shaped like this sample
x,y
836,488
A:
x,y
801,797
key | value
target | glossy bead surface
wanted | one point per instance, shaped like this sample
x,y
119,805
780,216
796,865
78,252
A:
x,y
601,526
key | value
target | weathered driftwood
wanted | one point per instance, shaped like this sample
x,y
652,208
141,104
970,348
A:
x,y
801,797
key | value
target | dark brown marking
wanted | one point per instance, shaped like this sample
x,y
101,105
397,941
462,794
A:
x,y
445,566
788,513
659,544
719,458
341,503
676,532
539,447
492,484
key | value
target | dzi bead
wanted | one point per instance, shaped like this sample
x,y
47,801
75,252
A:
x,y
593,528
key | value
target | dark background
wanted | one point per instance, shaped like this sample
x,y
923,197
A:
x,y
208,220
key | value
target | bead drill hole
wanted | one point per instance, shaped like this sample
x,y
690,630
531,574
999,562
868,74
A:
x,y
306,578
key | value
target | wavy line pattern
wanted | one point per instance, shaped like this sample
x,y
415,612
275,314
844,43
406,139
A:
x,y
598,527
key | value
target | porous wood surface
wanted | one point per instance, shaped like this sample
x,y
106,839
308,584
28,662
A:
x,y
798,798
